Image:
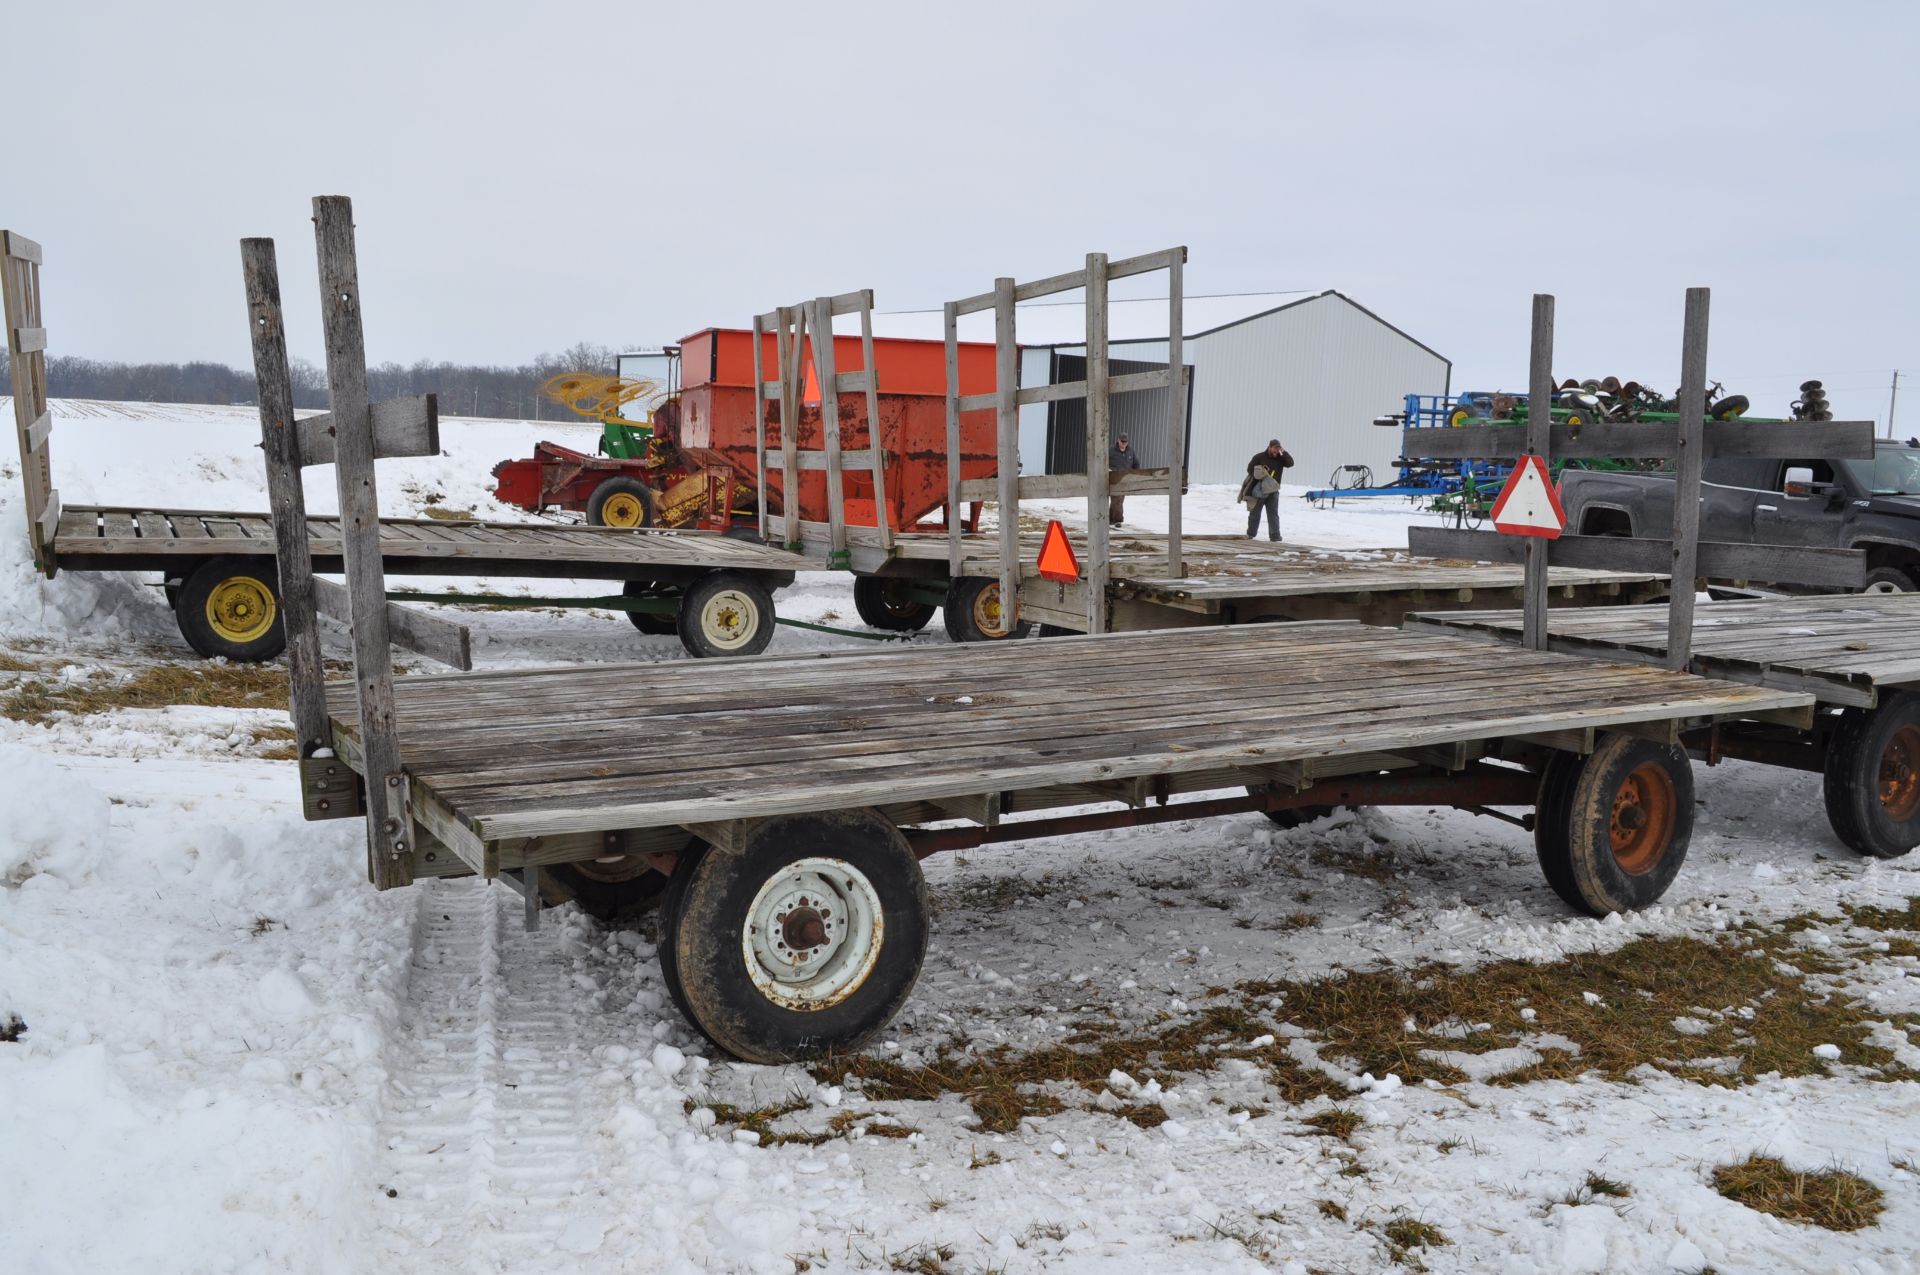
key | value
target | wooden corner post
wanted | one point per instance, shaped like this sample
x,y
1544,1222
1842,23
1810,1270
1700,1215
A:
x,y
951,317
1539,443
389,818
1099,443
1006,395
1689,462
27,364
1176,407
280,440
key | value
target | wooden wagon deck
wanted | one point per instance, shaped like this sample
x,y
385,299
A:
x,y
134,539
1231,578
1843,649
505,761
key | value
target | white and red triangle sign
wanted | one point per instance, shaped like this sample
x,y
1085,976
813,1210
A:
x,y
1528,504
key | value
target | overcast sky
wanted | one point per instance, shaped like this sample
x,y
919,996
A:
x,y
527,176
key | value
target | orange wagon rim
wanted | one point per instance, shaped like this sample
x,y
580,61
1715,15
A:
x,y
1900,774
1641,825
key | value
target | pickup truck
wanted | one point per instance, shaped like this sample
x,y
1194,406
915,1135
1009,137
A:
x,y
1843,504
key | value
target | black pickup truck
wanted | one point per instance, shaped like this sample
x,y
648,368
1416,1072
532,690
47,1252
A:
x,y
1842,504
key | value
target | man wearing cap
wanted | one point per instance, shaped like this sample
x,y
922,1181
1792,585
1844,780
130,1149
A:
x,y
1261,490
1120,460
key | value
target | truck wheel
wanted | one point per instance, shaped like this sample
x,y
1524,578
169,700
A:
x,y
885,604
621,502
651,623
807,941
972,612
608,891
672,905
1463,413
1872,778
1623,822
230,607
726,613
1888,580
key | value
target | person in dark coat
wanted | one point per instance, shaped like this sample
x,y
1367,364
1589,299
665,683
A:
x,y
1121,459
1261,490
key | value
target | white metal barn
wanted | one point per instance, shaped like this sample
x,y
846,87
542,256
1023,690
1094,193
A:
x,y
1314,373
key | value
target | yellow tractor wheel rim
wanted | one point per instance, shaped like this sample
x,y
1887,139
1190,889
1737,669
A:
x,y
241,609
987,615
624,509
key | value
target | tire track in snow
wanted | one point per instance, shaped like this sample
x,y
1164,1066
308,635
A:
x,y
483,1152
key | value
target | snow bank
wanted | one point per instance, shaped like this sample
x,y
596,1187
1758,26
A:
x,y
49,822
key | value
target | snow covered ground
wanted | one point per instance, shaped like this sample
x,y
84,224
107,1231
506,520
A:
x,y
237,1057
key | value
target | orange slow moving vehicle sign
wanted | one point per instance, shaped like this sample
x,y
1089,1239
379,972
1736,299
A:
x,y
1056,555
1528,504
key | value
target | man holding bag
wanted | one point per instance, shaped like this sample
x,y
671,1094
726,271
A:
x,y
1261,490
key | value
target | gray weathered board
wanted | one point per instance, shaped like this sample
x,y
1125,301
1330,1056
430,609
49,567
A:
x,y
492,757
89,537
1843,649
1227,568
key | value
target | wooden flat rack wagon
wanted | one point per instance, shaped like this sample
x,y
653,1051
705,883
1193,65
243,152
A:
x,y
1232,580
1858,655
218,565
785,809
1128,580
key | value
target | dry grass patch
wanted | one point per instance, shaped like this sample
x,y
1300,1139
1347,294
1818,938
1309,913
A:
x,y
448,515
36,700
1405,1234
1004,1087
1753,1003
1339,1122
1834,1199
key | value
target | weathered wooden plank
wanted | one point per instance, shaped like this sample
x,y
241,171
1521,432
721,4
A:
x,y
29,340
21,248
1539,443
1066,486
1779,564
1006,382
1176,408
389,822
39,431
439,639
401,427
1689,463
280,442
1098,567
856,459
951,317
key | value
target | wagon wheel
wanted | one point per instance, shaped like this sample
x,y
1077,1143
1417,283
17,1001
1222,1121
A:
x,y
973,613
1293,817
889,604
726,613
804,942
1612,828
230,607
1872,778
651,623
619,887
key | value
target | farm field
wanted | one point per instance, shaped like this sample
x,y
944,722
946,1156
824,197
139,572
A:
x,y
1377,1042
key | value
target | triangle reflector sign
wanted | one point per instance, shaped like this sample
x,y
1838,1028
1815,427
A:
x,y
1056,555
810,388
1528,504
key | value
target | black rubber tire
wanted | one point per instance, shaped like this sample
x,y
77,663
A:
x,y
1463,411
756,624
1057,630
671,901
191,612
1727,408
709,937
1895,580
646,621
1580,859
1294,817
882,603
1550,812
597,502
963,595
172,592
607,900
1858,764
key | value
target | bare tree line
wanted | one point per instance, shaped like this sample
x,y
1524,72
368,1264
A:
x,y
465,389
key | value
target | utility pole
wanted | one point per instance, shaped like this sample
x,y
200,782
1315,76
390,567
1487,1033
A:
x,y
1893,401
